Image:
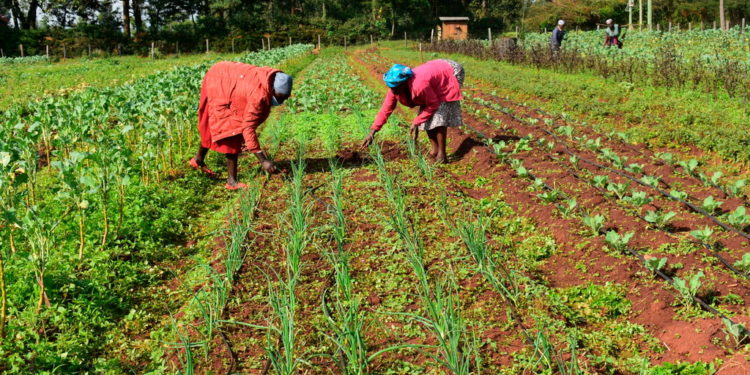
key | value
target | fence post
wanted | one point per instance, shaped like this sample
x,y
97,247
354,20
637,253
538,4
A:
x,y
404,39
153,55
263,43
232,45
46,47
690,26
89,49
269,42
743,26
489,34
371,41
432,34
20,46
207,45
318,42
421,56
290,40
2,53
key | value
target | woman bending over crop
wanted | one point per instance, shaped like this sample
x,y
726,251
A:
x,y
235,99
435,87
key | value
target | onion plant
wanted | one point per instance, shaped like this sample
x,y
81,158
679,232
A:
x,y
281,343
342,310
473,234
443,316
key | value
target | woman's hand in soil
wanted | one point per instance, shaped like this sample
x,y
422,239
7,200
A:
x,y
414,132
268,166
368,140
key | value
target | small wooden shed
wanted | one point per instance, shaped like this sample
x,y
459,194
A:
x,y
454,28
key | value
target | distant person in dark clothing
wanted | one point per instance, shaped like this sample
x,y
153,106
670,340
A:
x,y
558,35
612,35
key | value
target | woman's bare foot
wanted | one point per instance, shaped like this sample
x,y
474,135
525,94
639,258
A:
x,y
441,159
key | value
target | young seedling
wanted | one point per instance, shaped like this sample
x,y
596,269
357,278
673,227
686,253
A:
x,y
499,149
711,205
744,263
594,144
617,160
550,196
666,157
595,223
566,130
738,218
737,331
523,144
574,160
690,166
618,189
521,171
681,195
656,264
601,181
635,168
716,178
638,199
736,188
651,181
703,235
688,290
617,241
659,219
569,207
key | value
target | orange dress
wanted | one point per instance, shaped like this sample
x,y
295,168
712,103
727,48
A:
x,y
235,100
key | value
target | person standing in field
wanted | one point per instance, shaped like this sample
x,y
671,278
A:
x,y
435,87
612,34
235,99
557,37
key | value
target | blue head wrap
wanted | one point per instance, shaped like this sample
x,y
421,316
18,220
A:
x,y
397,75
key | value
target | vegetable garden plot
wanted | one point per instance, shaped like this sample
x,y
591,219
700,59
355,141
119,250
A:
x,y
384,280
549,197
90,229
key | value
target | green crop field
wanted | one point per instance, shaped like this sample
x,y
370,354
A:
x,y
582,225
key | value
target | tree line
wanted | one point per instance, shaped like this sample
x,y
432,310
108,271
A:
x,y
130,26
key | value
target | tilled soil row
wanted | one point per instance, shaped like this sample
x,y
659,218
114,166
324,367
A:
x,y
732,246
693,340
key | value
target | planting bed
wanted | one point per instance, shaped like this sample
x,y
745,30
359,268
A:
x,y
375,261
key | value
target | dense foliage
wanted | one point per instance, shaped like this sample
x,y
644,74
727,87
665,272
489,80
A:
x,y
131,25
712,60
72,268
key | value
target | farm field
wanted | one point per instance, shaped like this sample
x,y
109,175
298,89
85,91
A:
x,y
710,46
37,79
554,242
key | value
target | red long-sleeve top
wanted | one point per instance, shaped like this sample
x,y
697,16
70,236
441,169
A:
x,y
432,84
237,97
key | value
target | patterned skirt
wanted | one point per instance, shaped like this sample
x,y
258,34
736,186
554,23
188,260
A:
x,y
449,113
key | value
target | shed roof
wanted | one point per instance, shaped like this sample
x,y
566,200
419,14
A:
x,y
453,18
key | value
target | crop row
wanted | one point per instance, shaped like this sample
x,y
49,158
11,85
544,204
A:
x,y
617,241
734,221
